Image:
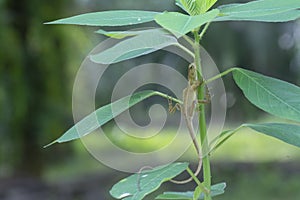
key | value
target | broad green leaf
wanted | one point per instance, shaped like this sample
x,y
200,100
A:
x,y
180,24
123,34
216,190
137,186
262,10
289,133
102,116
274,96
139,45
109,18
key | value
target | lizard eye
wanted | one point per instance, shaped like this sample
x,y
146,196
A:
x,y
192,66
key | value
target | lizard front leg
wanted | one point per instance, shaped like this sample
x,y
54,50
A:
x,y
172,109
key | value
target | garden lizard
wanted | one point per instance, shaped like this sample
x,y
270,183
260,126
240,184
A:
x,y
190,102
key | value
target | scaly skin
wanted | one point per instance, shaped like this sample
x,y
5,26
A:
x,y
190,102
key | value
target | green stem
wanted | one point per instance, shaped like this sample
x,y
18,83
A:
x,y
205,191
204,30
168,97
191,42
202,120
223,138
185,49
196,47
220,75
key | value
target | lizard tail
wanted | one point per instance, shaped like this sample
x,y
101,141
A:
x,y
196,173
196,145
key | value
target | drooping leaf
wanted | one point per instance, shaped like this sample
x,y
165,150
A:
x,y
180,24
123,34
289,133
274,96
216,190
137,186
261,10
102,116
109,18
139,45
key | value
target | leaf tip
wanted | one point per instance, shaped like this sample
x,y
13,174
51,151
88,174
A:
x,y
46,146
51,22
94,59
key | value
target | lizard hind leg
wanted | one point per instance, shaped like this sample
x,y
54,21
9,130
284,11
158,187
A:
x,y
207,98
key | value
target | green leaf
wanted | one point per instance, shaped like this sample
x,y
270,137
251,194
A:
x,y
288,133
206,4
274,96
180,24
193,7
137,186
216,190
123,34
109,18
139,45
102,116
262,10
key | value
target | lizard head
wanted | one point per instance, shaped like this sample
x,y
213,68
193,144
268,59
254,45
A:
x,y
192,72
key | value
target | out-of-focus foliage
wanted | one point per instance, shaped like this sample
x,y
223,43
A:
x,y
38,65
35,83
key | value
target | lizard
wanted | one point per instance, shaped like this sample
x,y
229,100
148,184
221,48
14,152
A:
x,y
188,108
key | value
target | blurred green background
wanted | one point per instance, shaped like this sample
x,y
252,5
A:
x,y
38,65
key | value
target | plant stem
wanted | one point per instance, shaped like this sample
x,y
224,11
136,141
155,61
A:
x,y
220,75
203,31
204,190
168,97
202,120
191,42
224,137
185,49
